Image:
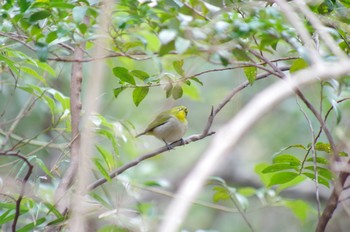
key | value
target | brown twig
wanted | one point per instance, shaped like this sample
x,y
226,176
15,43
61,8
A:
x,y
25,179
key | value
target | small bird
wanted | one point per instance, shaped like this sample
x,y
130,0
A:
x,y
169,125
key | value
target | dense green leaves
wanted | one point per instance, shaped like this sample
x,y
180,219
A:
x,y
287,167
158,46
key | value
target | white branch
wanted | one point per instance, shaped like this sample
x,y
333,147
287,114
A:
x,y
79,218
231,133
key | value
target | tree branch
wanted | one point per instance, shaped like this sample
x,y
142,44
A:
x,y
25,180
75,108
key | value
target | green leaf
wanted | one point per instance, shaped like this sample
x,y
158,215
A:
x,y
4,216
177,91
250,73
265,178
52,209
178,66
282,177
23,5
168,89
196,80
47,68
99,198
139,94
102,170
343,154
107,157
39,15
33,73
320,179
224,60
221,193
118,90
43,167
83,28
154,183
57,221
79,13
140,74
123,75
298,64
240,54
297,180
51,36
286,158
247,191
325,173
11,64
32,225
42,51
300,208
166,48
191,91
345,3
325,8
326,147
319,160
279,167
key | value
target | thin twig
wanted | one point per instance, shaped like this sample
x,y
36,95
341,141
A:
x,y
25,179
59,146
236,204
314,156
21,114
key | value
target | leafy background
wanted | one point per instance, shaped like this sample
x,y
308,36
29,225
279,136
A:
x,y
160,54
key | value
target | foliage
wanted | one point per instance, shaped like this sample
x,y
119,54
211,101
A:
x,y
153,51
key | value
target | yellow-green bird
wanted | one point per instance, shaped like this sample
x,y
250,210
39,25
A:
x,y
169,126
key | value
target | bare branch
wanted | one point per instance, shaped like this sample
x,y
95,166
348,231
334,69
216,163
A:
x,y
25,179
75,108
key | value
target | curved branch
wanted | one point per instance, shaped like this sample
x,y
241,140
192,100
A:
x,y
25,179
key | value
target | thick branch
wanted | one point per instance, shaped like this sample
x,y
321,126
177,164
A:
x,y
75,108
